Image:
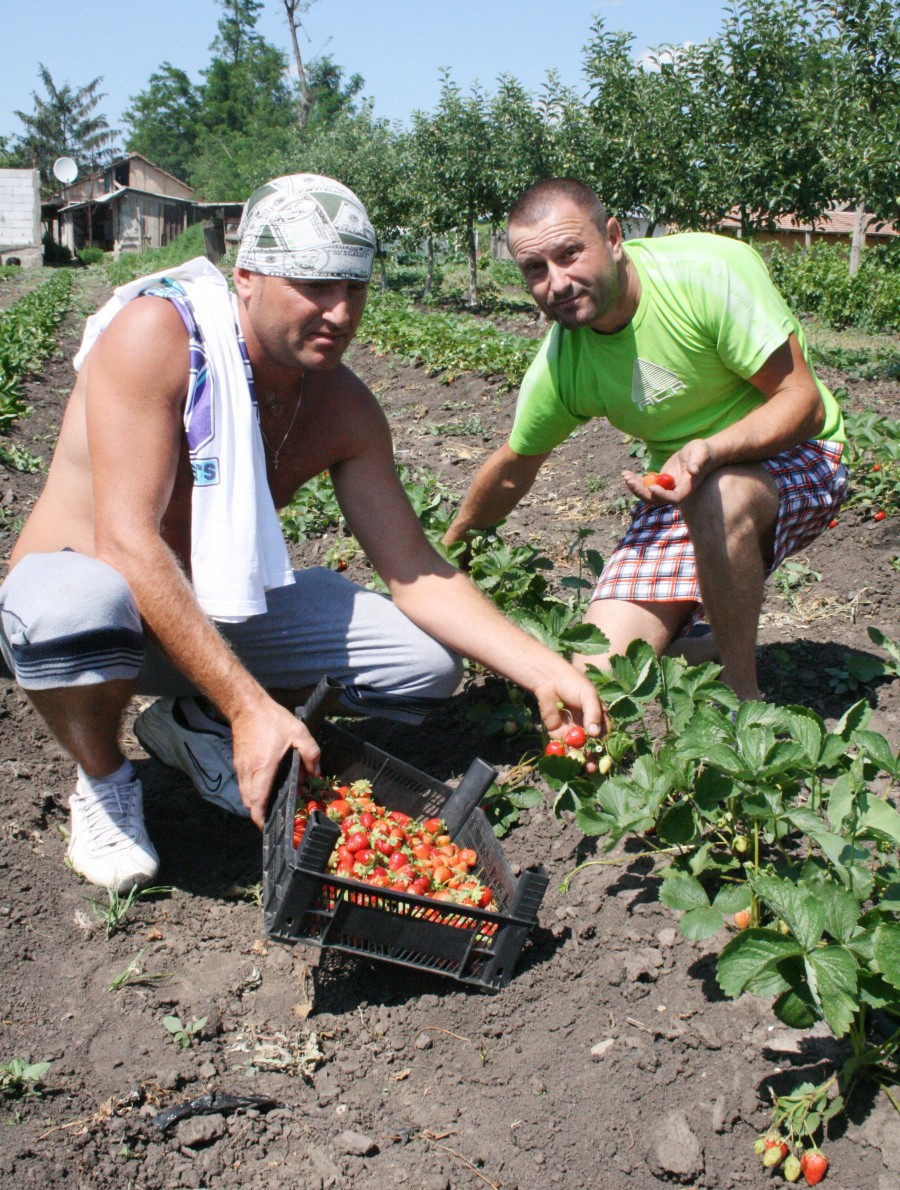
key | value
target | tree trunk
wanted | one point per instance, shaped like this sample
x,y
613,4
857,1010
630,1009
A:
x,y
304,96
651,228
472,246
859,236
382,266
429,268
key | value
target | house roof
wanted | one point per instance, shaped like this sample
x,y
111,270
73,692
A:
x,y
835,222
99,173
119,192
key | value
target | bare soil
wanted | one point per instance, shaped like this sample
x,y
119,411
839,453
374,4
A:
x,y
380,1075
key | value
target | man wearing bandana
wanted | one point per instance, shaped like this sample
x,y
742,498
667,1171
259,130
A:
x,y
153,561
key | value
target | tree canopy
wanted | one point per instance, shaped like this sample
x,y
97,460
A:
x,y
64,123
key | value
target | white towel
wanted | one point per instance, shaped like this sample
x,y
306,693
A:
x,y
238,550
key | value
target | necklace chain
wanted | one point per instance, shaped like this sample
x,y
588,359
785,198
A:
x,y
276,451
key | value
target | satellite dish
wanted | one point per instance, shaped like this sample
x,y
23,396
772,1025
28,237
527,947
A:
x,y
65,170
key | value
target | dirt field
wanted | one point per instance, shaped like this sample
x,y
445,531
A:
x,y
382,1076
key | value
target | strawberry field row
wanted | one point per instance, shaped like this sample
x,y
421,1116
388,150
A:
x,y
445,344
28,337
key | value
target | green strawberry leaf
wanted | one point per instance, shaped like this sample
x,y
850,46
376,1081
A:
x,y
878,749
879,818
853,719
676,827
803,912
886,952
841,914
749,962
698,924
875,991
795,1008
732,897
832,975
682,892
592,821
808,729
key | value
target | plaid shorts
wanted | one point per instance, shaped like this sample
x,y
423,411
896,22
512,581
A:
x,y
654,561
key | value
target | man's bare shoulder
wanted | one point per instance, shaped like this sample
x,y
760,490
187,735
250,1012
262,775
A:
x,y
146,333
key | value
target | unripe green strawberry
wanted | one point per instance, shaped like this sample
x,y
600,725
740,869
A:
x,y
741,844
759,1146
791,1169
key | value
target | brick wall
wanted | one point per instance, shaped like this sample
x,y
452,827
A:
x,y
20,210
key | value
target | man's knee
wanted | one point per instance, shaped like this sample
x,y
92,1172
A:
x,y
446,672
69,620
734,502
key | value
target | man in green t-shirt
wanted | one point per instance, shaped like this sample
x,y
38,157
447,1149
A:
x,y
682,342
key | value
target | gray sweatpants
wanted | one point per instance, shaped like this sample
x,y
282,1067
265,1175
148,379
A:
x,y
71,620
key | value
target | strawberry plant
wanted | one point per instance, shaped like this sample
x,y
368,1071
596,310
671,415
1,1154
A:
x,y
774,826
873,453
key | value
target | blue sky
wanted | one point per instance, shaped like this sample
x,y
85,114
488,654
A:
x,y
398,46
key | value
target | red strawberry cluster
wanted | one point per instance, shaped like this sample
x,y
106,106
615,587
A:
x,y
576,745
389,849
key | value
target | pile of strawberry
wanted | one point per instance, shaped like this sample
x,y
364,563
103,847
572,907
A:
x,y
389,849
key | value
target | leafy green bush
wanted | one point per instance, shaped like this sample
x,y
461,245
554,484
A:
x,y
90,255
55,253
817,281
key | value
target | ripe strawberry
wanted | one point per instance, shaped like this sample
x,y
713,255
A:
x,y
555,748
832,524
879,515
650,477
575,737
666,481
814,1165
742,919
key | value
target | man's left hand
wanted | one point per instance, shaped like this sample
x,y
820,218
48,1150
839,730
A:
x,y
571,698
688,467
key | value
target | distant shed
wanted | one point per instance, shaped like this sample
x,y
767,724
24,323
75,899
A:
x,y
131,206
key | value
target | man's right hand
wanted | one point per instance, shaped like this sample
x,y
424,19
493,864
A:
x,y
262,737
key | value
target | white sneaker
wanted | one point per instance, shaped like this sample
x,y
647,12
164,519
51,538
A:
x,y
108,843
178,733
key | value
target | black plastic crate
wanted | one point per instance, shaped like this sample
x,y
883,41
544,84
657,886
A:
x,y
304,902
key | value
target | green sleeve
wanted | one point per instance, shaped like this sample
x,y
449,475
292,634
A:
x,y
755,320
747,315
542,419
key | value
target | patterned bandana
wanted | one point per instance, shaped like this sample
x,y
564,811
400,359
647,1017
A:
x,y
304,225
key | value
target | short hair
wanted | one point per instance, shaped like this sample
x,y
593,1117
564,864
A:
x,y
538,200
